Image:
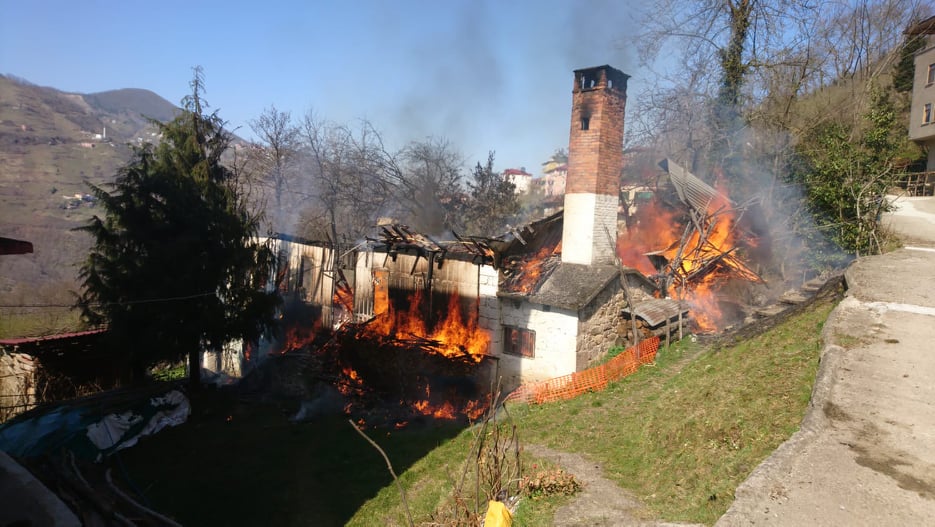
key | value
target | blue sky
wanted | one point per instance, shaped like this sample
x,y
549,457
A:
x,y
487,75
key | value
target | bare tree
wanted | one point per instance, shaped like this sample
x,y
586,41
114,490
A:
x,y
743,62
275,158
345,189
427,179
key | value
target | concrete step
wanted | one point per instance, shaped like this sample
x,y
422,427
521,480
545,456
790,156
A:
x,y
793,297
768,311
813,285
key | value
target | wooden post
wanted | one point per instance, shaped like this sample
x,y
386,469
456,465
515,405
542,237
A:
x,y
626,294
668,332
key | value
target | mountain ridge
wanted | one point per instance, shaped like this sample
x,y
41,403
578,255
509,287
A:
x,y
52,145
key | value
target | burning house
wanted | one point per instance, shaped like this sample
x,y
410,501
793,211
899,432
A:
x,y
547,298
558,307
436,324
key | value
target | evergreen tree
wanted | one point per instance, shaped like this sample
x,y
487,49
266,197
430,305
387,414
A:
x,y
176,265
493,202
905,69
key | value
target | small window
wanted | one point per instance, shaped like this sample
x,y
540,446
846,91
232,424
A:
x,y
585,123
927,114
931,74
519,341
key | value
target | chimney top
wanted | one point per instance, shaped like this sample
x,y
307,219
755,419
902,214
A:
x,y
597,77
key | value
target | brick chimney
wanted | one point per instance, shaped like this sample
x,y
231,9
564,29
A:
x,y
595,160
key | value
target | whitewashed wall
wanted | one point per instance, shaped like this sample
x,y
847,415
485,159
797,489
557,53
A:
x,y
556,337
556,334
489,307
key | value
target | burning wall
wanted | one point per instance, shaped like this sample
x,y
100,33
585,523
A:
x,y
546,302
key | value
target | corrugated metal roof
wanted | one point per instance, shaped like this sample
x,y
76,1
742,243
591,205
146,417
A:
x,y
691,190
48,338
656,311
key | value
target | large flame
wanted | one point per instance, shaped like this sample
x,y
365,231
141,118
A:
x,y
700,253
458,335
526,273
435,390
299,336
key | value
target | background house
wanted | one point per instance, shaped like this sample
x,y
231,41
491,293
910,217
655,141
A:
x,y
922,114
519,177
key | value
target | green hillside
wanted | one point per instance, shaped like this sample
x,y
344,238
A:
x,y
52,144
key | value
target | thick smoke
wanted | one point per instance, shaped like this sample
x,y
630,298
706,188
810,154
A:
x,y
500,77
484,75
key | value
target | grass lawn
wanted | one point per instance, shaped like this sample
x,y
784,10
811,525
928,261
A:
x,y
246,464
683,435
680,434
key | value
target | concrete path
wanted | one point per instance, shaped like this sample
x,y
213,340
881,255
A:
x,y
913,219
865,454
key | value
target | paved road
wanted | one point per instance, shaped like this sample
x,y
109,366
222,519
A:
x,y
865,454
913,219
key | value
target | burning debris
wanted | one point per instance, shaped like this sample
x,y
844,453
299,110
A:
x,y
454,335
398,367
398,236
691,254
531,256
343,300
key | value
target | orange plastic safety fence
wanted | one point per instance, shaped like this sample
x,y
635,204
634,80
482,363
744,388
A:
x,y
589,380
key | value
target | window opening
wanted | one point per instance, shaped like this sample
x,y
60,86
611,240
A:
x,y
519,341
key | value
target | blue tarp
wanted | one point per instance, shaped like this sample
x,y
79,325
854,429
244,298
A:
x,y
89,432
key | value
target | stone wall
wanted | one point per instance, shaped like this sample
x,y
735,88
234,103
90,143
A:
x,y
599,323
17,384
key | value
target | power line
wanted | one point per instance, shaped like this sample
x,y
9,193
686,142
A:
x,y
123,303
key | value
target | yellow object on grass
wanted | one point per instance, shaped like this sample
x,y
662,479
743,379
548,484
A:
x,y
497,515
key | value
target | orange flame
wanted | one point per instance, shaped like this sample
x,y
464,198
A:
x,y
353,384
298,336
456,335
691,262
343,302
528,271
